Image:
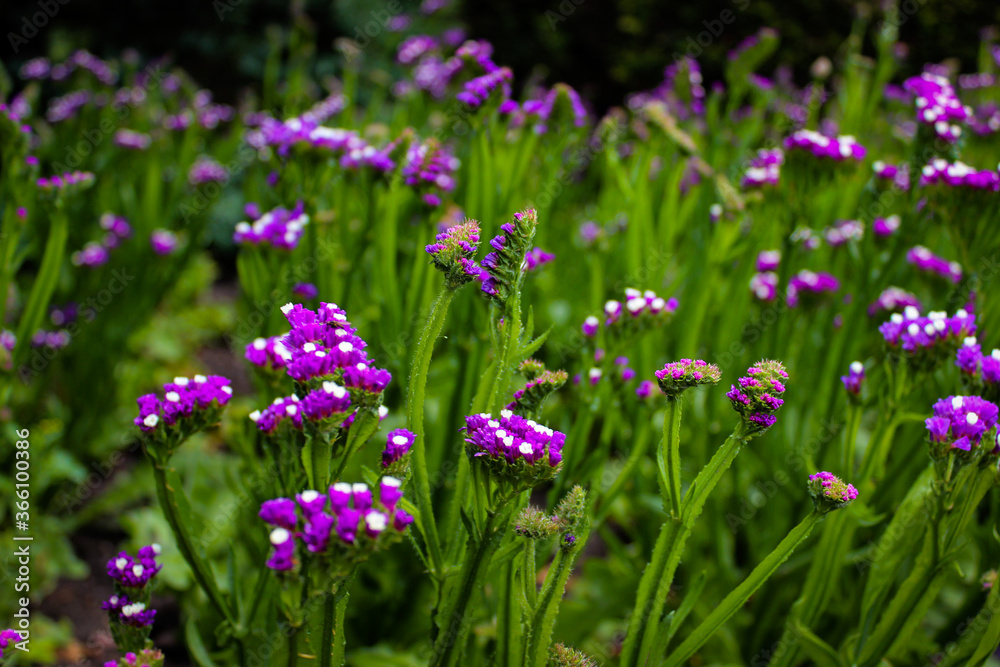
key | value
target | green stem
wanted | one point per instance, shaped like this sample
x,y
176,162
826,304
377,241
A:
x,y
200,569
738,597
327,640
415,422
449,644
293,646
668,457
654,588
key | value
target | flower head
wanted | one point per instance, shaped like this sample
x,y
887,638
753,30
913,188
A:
x,y
926,340
829,492
756,395
518,450
453,250
397,445
959,425
855,376
528,401
7,639
189,405
279,228
679,376
163,241
504,265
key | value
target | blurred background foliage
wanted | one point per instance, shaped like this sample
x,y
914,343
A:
x,y
604,48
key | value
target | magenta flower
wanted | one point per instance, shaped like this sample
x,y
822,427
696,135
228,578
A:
x,y
679,376
756,395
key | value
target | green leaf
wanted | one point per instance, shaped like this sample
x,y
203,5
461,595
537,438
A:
x,y
817,650
195,644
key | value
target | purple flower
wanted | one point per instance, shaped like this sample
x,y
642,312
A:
x,y
536,258
92,255
893,299
926,261
959,175
186,402
855,376
283,556
808,282
305,291
286,409
960,422
390,492
279,228
885,226
764,169
398,444
829,492
768,260
163,241
207,170
268,353
329,402
764,286
837,149
937,105
678,376
135,572
927,339
279,512
756,395
513,440
453,250
969,356
132,140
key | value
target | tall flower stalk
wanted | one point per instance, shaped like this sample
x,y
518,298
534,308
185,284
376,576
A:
x,y
755,398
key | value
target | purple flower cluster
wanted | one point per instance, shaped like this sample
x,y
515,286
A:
x,y
452,253
430,165
66,182
561,101
959,423
268,353
305,291
97,253
678,376
885,226
207,170
477,91
136,141
764,286
537,258
8,638
809,283
163,241
514,445
768,260
352,512
67,106
916,334
756,395
764,169
843,231
640,306
855,376
982,369
305,131
147,657
196,399
937,105
893,299
839,148
135,572
529,399
898,175
503,266
397,445
278,228
415,47
829,492
281,409
52,340
958,174
926,261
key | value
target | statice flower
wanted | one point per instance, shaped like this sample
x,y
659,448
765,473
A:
x,y
855,376
960,423
151,657
70,182
838,149
338,529
537,258
136,141
8,638
926,261
52,340
329,405
477,91
528,401
415,47
128,611
279,228
756,395
66,107
305,291
678,376
885,226
764,169
452,253
897,176
959,175
513,449
561,105
937,105
397,445
117,227
163,241
893,299
561,655
503,265
640,311
829,492
92,255
809,283
36,68
927,340
207,170
764,286
969,356
188,405
843,231
430,167
646,389
768,260
285,410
